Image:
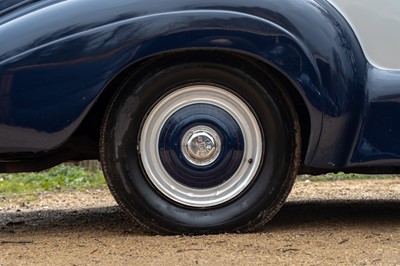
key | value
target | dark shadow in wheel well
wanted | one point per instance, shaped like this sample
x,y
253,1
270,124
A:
x,y
89,129
299,105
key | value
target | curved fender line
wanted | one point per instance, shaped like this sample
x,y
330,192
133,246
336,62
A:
x,y
317,67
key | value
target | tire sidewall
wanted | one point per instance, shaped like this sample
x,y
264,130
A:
x,y
134,191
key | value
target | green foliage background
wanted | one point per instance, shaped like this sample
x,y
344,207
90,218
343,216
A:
x,y
61,177
88,175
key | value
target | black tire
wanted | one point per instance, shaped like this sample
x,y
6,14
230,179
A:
x,y
129,173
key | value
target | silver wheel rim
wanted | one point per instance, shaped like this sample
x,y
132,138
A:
x,y
201,197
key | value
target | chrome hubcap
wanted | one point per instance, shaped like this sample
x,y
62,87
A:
x,y
201,145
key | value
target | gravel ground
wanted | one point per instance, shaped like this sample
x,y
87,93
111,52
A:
x,y
322,223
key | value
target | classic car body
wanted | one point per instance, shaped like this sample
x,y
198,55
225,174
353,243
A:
x,y
63,61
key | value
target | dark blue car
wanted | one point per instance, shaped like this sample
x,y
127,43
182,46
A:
x,y
202,113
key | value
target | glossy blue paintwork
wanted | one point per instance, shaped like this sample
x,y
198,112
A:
x,y
379,131
57,57
9,5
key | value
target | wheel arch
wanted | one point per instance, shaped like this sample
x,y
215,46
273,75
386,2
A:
x,y
138,69
324,70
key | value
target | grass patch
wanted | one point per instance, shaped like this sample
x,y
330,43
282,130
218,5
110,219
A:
x,y
71,177
62,177
343,176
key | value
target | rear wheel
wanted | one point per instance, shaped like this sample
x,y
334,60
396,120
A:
x,y
200,147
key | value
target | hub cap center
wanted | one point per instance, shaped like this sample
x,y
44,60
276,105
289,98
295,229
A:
x,y
201,145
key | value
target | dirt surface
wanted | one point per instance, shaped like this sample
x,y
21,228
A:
x,y
323,223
